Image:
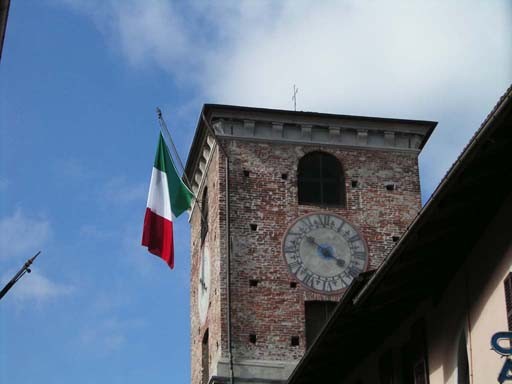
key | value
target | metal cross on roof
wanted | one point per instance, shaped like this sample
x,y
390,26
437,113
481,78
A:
x,y
294,97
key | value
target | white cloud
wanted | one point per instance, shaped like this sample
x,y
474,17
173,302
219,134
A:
x,y
109,301
440,60
4,184
22,234
108,334
35,287
91,231
343,54
365,57
71,169
164,39
119,190
149,32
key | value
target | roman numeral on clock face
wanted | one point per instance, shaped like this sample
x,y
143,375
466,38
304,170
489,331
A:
x,y
290,249
353,238
328,286
324,220
307,278
295,266
353,271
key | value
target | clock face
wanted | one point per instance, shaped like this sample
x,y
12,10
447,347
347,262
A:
x,y
324,252
203,285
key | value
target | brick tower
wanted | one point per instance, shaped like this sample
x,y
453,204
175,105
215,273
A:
x,y
294,205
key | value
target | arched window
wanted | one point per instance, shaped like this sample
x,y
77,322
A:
x,y
204,214
321,180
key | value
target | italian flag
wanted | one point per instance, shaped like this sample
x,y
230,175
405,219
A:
x,y
168,198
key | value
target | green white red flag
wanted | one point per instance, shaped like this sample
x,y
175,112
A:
x,y
168,198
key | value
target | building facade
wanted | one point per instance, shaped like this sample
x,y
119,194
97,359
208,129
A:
x,y
292,207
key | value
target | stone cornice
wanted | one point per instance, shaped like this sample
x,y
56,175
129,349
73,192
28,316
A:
x,y
301,128
386,138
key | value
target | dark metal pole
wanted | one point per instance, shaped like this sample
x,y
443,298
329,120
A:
x,y
17,276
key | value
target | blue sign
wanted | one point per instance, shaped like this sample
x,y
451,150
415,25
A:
x,y
506,351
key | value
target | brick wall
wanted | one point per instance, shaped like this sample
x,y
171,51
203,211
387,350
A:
x,y
273,310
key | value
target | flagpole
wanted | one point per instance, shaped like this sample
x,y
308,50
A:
x,y
165,131
18,275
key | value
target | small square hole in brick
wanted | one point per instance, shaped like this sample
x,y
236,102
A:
x,y
252,338
254,227
295,341
284,176
253,283
390,187
293,284
246,173
396,238
354,183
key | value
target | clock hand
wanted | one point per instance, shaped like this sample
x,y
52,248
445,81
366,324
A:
x,y
340,262
325,251
311,239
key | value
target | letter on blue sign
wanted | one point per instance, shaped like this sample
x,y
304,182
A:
x,y
495,343
506,372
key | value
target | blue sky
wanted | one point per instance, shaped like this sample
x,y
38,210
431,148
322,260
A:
x,y
79,83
